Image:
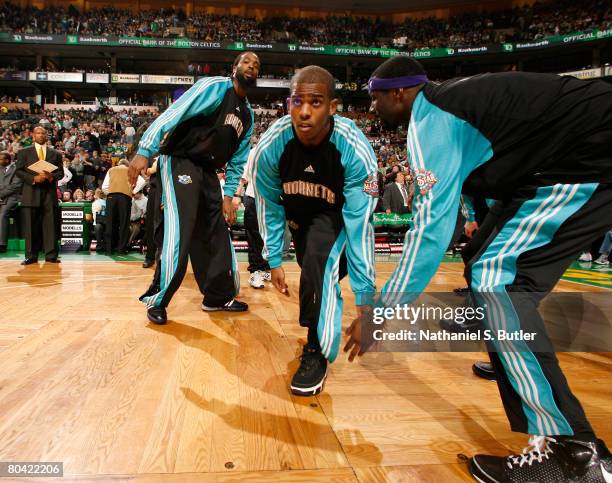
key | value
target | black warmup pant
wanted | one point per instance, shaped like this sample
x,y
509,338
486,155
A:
x,y
99,230
193,228
256,260
158,240
151,219
40,222
538,234
118,209
458,231
319,248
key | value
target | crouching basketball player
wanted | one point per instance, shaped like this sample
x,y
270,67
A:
x,y
539,143
317,171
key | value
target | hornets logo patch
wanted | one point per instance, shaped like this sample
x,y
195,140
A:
x,y
184,179
424,180
370,186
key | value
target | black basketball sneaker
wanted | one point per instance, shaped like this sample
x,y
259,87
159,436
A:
x,y
308,380
548,460
484,369
231,306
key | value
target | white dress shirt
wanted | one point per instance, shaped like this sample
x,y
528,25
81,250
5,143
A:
x,y
139,208
67,177
404,192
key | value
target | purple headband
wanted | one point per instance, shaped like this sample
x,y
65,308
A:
x,y
380,84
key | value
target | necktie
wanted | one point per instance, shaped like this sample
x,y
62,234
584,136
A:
x,y
41,154
404,195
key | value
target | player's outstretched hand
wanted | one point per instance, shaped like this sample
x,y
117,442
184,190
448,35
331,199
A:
x,y
278,280
356,345
138,163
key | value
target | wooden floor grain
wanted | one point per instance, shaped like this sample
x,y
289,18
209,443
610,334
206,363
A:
x,y
86,380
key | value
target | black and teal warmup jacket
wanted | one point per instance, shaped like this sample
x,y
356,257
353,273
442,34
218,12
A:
x,y
488,136
295,183
209,124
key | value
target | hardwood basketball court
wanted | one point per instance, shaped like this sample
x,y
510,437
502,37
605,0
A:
x,y
86,380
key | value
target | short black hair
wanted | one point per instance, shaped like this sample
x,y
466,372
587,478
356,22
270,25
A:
x,y
313,74
398,67
241,55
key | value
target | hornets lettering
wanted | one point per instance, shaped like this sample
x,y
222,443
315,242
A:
x,y
234,121
310,190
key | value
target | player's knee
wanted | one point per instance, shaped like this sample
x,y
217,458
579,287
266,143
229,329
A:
x,y
315,259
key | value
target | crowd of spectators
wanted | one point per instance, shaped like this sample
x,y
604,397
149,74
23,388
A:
x,y
113,21
91,142
470,29
13,113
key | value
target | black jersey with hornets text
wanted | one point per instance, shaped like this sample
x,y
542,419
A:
x,y
294,184
312,178
211,138
209,124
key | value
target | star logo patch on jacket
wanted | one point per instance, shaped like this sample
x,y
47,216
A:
x,y
424,180
370,186
184,179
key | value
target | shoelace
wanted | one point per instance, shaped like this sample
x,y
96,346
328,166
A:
x,y
538,448
307,361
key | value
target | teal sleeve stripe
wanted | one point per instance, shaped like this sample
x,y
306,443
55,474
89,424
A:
x,y
359,162
268,189
425,243
443,151
202,98
467,208
357,139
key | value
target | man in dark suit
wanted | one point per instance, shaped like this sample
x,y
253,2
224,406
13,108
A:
x,y
10,192
396,198
39,198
